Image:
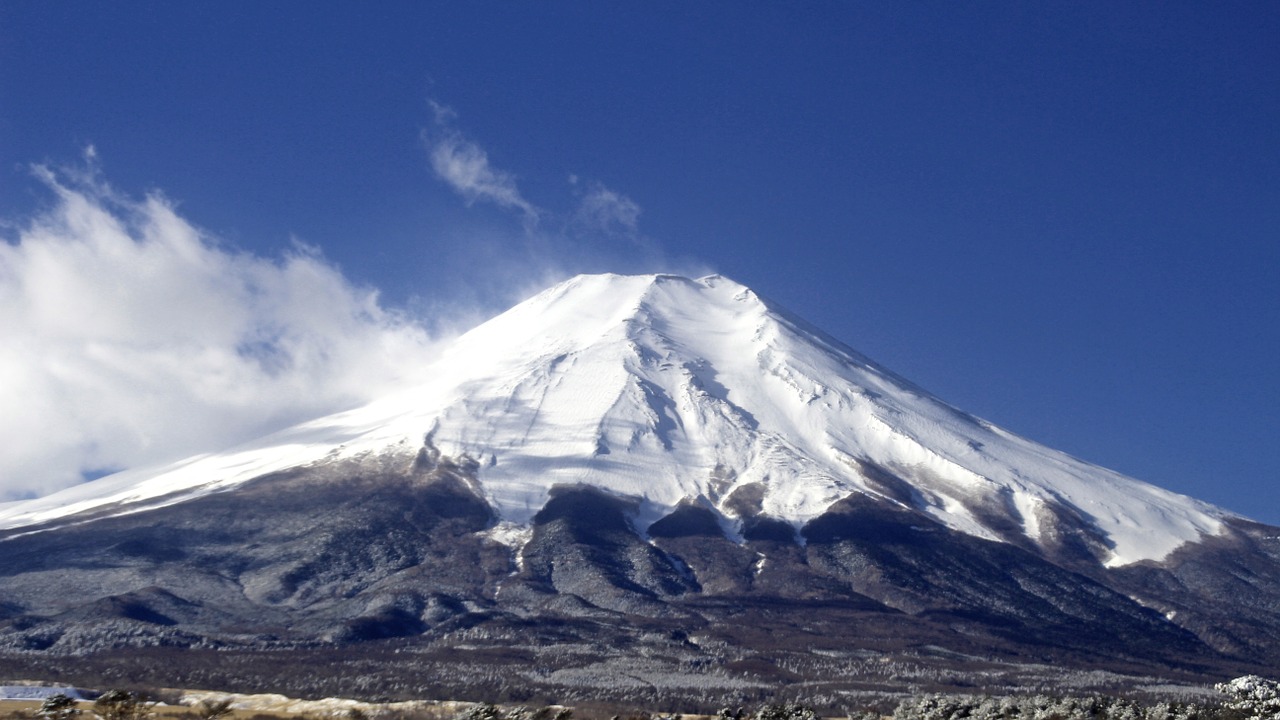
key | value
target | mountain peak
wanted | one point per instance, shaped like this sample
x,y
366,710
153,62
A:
x,y
672,390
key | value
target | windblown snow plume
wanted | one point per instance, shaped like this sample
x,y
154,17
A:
x,y
132,337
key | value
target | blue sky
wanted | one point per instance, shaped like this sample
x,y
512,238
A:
x,y
1062,217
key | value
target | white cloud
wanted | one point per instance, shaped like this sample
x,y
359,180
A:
x,y
465,166
128,336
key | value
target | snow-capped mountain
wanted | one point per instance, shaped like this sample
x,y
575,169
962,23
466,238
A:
x,y
651,477
673,390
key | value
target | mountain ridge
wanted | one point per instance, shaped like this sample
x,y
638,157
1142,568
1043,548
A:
x,y
665,419
637,488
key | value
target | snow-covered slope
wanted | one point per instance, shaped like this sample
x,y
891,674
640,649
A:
x,y
667,389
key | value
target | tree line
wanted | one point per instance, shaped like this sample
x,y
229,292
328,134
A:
x,y
1244,698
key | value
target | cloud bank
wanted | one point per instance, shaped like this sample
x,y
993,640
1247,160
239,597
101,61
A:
x,y
131,337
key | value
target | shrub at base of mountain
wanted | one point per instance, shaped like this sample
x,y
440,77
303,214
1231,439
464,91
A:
x,y
58,706
122,705
1244,698
967,707
489,711
1247,698
1255,698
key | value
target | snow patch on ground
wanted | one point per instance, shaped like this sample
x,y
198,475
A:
x,y
325,707
514,536
36,691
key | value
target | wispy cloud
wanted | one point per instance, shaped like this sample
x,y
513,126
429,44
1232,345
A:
x,y
602,210
598,230
131,336
465,166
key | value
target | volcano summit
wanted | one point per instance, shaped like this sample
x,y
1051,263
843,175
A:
x,y
644,486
